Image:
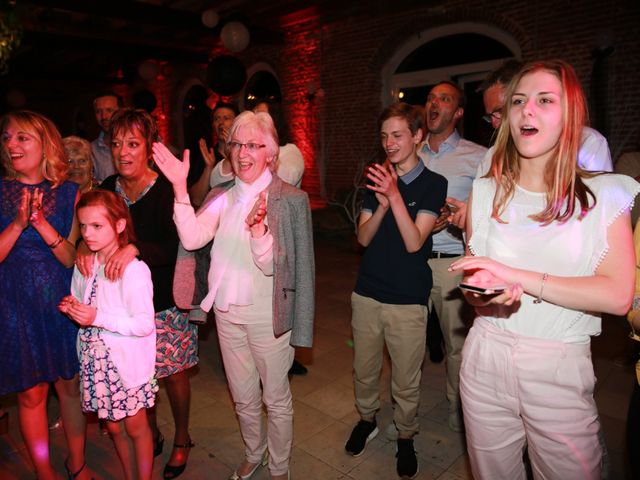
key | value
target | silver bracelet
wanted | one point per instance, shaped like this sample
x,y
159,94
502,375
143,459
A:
x,y
544,279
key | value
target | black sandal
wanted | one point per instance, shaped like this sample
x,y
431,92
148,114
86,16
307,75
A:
x,y
158,445
73,475
174,471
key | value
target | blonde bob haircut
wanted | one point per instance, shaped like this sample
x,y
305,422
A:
x,y
563,177
54,166
77,146
261,122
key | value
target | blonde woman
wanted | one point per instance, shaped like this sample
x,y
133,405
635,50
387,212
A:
x,y
78,152
38,232
558,240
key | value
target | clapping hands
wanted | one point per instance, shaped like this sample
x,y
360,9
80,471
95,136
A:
x,y
30,209
80,313
255,219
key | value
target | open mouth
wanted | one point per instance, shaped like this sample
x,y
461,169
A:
x,y
528,131
433,114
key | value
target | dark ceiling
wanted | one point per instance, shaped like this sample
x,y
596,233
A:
x,y
94,40
103,41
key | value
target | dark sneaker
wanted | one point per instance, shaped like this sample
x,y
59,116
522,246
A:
x,y
407,464
297,368
362,433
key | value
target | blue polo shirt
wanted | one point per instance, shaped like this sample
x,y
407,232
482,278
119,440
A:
x,y
388,273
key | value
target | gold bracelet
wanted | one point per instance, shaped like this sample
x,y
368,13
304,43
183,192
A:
x,y
544,279
56,242
181,203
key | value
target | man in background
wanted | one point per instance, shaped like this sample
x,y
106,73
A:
x,y
104,106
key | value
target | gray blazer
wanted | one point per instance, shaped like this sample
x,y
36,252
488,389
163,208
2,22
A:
x,y
289,219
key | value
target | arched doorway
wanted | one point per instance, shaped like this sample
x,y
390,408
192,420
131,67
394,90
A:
x,y
262,84
196,124
463,53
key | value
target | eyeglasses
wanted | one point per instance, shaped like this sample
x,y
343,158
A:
x,y
81,162
497,115
251,147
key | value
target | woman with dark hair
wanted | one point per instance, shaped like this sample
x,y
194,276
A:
x,y
38,232
150,200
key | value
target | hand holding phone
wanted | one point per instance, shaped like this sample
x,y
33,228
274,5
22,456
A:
x,y
486,290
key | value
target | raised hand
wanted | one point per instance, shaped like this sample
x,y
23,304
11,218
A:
x,y
175,170
384,180
207,153
37,215
255,219
24,209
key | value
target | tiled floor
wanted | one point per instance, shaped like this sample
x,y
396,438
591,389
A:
x,y
324,406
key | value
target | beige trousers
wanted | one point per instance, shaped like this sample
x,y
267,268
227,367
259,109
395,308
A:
x,y
403,329
455,317
252,355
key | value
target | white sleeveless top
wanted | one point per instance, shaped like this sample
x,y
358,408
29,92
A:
x,y
573,248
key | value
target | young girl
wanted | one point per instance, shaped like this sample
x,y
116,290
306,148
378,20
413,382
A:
x,y
560,239
117,343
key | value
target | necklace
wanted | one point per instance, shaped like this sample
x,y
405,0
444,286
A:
x,y
133,189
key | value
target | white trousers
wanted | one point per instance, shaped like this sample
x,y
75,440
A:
x,y
520,391
251,355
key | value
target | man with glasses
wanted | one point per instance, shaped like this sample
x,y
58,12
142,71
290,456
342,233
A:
x,y
445,152
594,152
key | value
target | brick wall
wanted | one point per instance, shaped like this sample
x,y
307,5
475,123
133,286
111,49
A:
x,y
345,58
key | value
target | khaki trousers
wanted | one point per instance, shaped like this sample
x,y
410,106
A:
x,y
403,329
455,317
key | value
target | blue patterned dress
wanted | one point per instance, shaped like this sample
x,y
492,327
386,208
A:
x,y
37,342
102,389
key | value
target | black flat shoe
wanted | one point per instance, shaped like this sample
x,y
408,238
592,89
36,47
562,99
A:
x,y
73,475
174,471
158,445
297,369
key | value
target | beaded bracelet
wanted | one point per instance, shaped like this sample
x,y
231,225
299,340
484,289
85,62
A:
x,y
544,279
56,242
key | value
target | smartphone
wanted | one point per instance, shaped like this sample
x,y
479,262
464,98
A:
x,y
452,208
492,290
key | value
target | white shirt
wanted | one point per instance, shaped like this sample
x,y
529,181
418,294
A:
x,y
126,316
574,248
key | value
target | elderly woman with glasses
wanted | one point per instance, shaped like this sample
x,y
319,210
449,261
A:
x,y
78,152
260,282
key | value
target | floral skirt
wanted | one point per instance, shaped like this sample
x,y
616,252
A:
x,y
176,342
101,385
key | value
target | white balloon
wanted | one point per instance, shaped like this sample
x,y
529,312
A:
x,y
210,18
235,36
